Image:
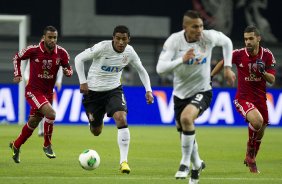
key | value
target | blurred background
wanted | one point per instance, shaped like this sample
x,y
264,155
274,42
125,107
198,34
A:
x,y
81,24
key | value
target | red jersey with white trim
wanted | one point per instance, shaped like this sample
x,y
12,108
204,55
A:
x,y
44,66
251,84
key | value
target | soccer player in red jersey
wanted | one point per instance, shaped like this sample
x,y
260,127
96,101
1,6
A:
x,y
255,68
45,61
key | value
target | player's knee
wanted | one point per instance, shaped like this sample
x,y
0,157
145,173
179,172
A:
x,y
186,120
258,123
32,124
96,131
51,114
120,118
34,121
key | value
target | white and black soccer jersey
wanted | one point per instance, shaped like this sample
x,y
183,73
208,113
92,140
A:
x,y
106,69
194,76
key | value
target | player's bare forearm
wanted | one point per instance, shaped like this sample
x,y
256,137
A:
x,y
218,67
269,77
229,76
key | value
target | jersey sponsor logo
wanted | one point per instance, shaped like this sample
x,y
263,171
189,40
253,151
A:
x,y
197,61
46,75
111,69
253,77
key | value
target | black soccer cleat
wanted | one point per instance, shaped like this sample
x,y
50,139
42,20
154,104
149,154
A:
x,y
15,153
49,152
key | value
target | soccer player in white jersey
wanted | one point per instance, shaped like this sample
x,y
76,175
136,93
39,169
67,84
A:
x,y
102,90
187,54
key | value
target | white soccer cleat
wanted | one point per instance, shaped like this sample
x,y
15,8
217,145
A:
x,y
193,181
195,174
182,172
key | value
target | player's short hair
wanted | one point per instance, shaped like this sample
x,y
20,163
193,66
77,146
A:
x,y
252,28
49,28
192,14
121,29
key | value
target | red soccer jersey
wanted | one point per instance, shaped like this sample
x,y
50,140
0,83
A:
x,y
251,84
44,66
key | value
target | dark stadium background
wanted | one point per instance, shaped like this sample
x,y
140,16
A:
x,y
48,12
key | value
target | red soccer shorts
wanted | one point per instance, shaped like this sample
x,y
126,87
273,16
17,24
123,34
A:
x,y
244,106
36,101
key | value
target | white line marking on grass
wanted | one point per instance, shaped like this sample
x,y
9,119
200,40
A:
x,y
249,179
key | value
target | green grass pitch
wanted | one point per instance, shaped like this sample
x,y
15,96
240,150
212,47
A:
x,y
153,157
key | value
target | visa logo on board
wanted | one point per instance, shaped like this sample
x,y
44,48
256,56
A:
x,y
69,107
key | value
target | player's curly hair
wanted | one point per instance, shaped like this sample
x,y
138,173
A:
x,y
49,28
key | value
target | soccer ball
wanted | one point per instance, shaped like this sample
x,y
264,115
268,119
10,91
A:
x,y
89,159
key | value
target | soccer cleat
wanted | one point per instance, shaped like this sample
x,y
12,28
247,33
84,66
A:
x,y
124,167
49,152
250,159
251,163
195,174
16,153
182,172
41,134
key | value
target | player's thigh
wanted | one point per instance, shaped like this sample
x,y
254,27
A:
x,y
116,102
95,108
254,116
243,107
36,102
202,101
192,107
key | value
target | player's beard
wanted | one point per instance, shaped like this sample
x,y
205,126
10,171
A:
x,y
50,46
250,48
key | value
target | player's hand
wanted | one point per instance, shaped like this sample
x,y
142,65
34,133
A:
x,y
229,76
188,56
17,79
149,97
260,66
84,88
58,85
68,72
